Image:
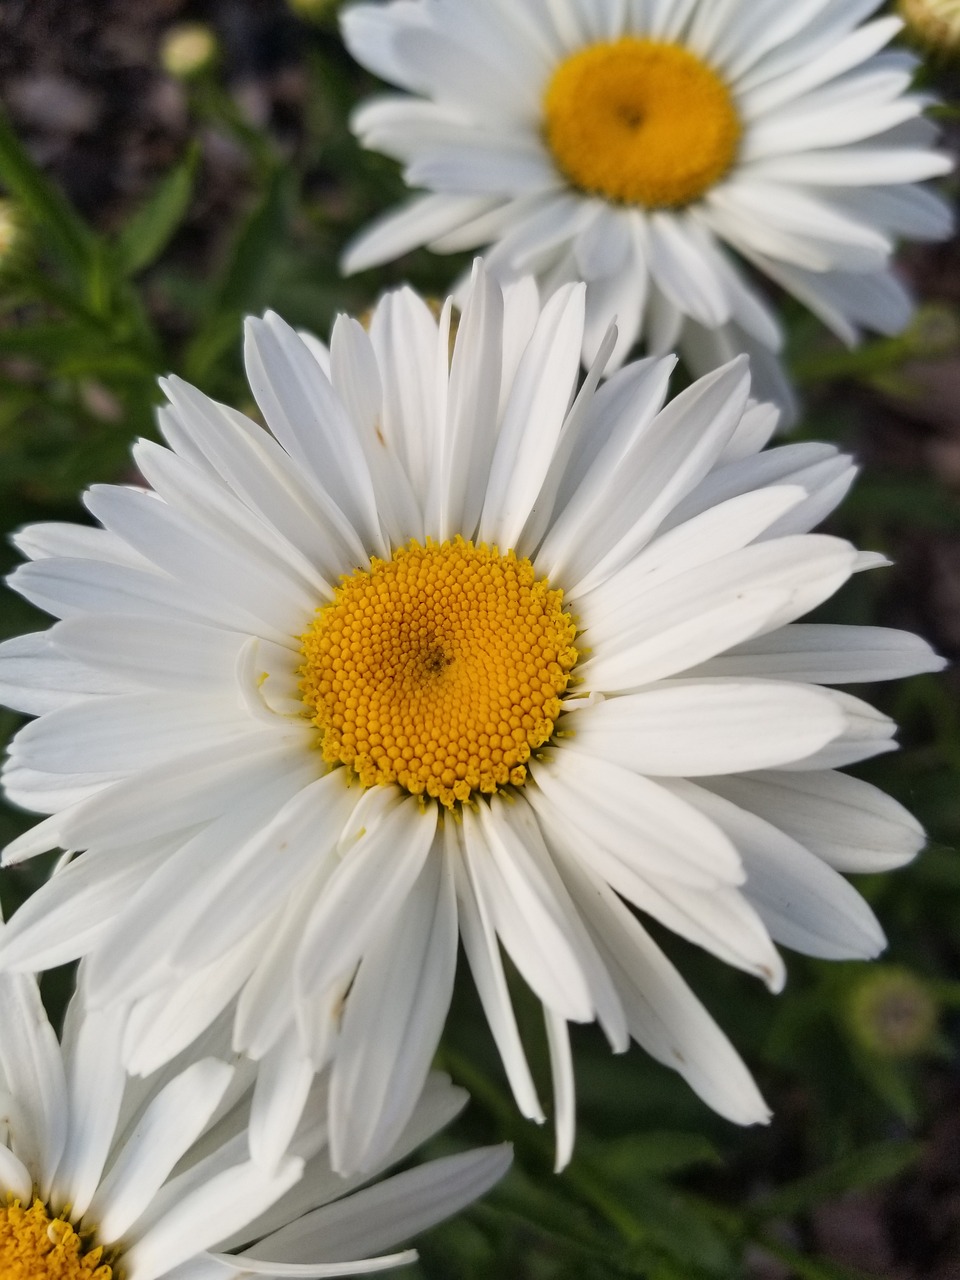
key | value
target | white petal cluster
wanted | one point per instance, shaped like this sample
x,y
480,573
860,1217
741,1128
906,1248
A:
x,y
826,177
227,871
158,1171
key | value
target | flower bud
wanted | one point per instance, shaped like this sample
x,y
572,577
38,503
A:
x,y
891,1013
935,23
188,50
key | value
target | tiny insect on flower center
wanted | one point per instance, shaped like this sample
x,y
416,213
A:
x,y
641,122
439,670
38,1245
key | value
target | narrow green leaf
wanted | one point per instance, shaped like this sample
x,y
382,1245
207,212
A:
x,y
661,1152
45,204
805,1268
151,228
240,288
865,1168
255,246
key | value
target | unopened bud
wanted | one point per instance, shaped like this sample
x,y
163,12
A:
x,y
188,49
11,230
892,1013
934,330
936,23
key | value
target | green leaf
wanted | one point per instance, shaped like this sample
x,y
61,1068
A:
x,y
679,1227
150,229
865,1168
805,1268
255,246
46,205
661,1152
242,282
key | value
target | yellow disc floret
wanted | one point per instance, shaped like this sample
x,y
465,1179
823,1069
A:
x,y
440,670
35,1245
640,121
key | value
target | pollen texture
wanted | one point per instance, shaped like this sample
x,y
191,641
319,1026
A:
x,y
641,122
440,670
36,1246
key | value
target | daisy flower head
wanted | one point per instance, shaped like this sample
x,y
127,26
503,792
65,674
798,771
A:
x,y
103,1177
456,643
652,148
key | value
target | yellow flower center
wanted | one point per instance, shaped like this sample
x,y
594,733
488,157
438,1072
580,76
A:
x,y
440,670
640,121
36,1246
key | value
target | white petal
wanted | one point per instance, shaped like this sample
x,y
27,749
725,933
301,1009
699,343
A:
x,y
35,677
540,396
31,1070
850,824
716,532
804,571
468,442
824,654
525,912
165,1022
405,337
867,733
701,727
804,903
15,1178
665,1016
423,219
483,956
258,875
392,1210
95,1082
309,420
364,894
65,917
55,539
174,1119
193,788
633,817
400,997
284,1079
202,1218
564,1094
169,655
108,735
614,514
151,925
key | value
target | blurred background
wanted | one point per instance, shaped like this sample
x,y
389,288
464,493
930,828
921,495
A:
x,y
168,167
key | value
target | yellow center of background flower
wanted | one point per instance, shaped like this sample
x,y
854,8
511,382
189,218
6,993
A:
x,y
440,670
640,121
36,1246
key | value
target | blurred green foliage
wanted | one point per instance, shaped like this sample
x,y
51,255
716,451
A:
x,y
659,1187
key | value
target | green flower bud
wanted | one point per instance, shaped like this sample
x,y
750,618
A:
x,y
891,1013
188,50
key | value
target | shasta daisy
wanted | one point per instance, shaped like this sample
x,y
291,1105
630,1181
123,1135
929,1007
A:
x,y
457,643
652,148
107,1178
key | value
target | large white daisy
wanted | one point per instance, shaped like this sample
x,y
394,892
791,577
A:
x,y
634,143
449,646
107,1178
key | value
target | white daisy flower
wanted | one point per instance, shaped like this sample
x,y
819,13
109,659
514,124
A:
x,y
107,1178
634,144
454,645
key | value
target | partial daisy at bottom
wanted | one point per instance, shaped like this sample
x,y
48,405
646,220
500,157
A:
x,y
103,1177
459,644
